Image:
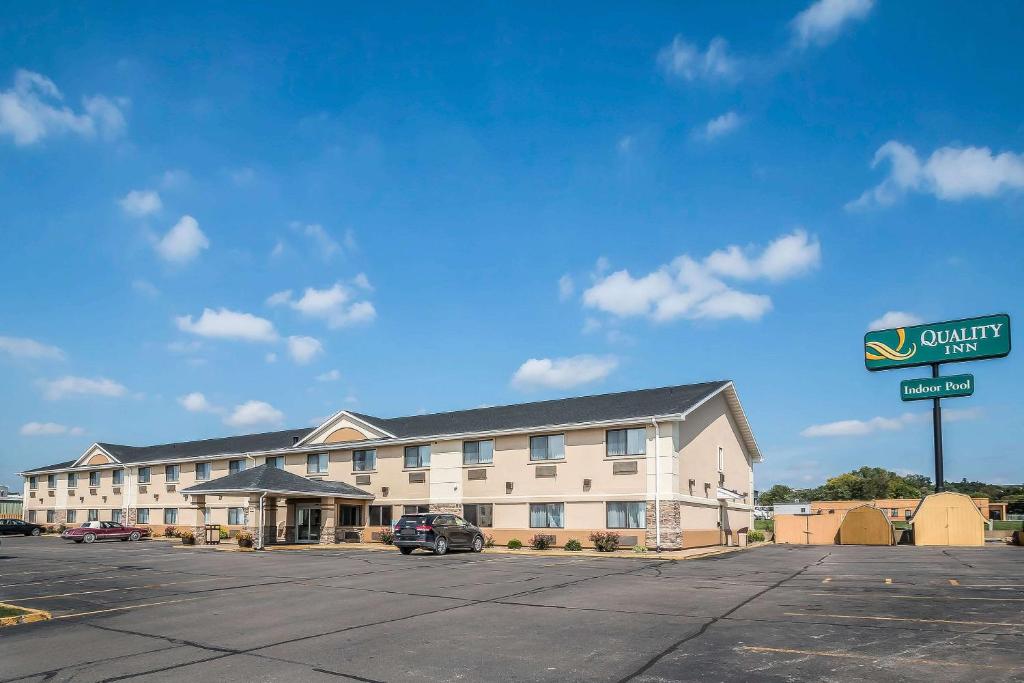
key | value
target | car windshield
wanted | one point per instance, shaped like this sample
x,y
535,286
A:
x,y
415,519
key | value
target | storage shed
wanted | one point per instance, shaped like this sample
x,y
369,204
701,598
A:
x,y
948,518
807,529
865,525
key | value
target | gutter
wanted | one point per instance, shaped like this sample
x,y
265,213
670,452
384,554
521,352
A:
x,y
657,485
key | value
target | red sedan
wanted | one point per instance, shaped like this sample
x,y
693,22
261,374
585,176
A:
x,y
97,531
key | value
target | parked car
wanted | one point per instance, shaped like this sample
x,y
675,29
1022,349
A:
x,y
438,532
97,531
20,527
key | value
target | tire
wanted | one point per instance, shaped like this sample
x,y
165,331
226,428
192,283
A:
x,y
406,551
478,544
89,538
134,536
35,531
77,541
441,546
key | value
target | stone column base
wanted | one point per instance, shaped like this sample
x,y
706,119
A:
x,y
671,534
328,534
200,533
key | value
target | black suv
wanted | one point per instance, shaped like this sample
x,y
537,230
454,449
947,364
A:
x,y
19,527
437,531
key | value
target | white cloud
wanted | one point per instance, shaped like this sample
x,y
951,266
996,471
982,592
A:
x,y
334,305
720,125
685,61
323,242
49,429
197,402
253,413
362,282
329,376
33,109
183,242
950,174
188,347
145,287
141,202
894,319
227,324
884,424
823,21
174,178
271,357
566,287
562,373
692,289
304,349
68,386
25,348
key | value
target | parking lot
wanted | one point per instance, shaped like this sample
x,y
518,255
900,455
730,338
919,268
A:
x,y
151,611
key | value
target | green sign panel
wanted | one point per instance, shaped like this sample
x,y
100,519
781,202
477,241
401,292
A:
x,y
946,342
936,387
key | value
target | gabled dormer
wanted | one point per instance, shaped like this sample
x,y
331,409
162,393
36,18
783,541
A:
x,y
344,427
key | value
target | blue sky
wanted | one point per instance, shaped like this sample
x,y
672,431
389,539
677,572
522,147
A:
x,y
228,219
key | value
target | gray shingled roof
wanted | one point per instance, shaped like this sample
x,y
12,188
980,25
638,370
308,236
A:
x,y
273,480
197,449
602,407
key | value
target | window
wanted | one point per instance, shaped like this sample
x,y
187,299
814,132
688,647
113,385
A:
x,y
480,515
276,462
547,515
415,509
72,516
51,516
32,483
894,512
202,471
236,516
907,513
143,475
51,481
93,516
206,515
417,456
118,477
236,466
115,516
626,441
478,452
351,515
172,472
380,515
551,447
94,479
627,515
170,515
72,480
316,463
364,461
142,515
32,516
721,459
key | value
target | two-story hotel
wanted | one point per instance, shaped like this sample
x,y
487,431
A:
x,y
670,467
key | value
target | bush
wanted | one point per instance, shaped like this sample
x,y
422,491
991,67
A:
x,y
244,539
61,528
387,536
639,548
573,544
755,536
488,541
170,532
514,544
187,538
540,542
223,534
605,541
764,524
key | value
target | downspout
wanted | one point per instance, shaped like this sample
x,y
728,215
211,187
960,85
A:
x,y
259,545
657,485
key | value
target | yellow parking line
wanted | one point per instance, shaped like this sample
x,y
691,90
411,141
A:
x,y
852,655
918,621
888,581
954,582
121,609
827,579
111,590
922,597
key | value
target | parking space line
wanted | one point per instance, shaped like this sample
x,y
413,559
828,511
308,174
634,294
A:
x,y
917,621
854,655
954,582
127,607
918,597
888,581
827,579
111,590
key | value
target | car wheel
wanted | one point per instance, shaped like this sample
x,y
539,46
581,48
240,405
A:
x,y
441,546
89,538
78,540
478,544
406,551
134,536
36,531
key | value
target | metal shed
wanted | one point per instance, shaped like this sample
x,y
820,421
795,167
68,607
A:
x,y
948,518
865,525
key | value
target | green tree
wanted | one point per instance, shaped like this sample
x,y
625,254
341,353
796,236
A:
x,y
776,494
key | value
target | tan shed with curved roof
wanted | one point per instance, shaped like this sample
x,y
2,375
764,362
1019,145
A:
x,y
865,525
948,518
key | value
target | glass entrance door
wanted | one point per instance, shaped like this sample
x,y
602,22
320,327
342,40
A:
x,y
307,524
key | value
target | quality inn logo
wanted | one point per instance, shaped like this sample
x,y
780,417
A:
x,y
885,352
943,342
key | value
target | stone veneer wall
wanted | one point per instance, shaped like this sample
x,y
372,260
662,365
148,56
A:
x,y
671,536
450,508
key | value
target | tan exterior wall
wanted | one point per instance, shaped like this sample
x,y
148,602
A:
x,y
807,529
948,519
904,507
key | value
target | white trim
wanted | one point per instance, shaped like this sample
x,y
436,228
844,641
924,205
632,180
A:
x,y
78,462
329,422
307,494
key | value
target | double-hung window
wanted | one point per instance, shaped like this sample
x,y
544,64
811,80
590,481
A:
x,y
417,456
380,515
170,515
364,461
51,516
478,452
202,471
94,479
550,447
72,480
142,516
275,461
72,516
316,463
415,509
33,483
626,441
479,514
547,515
236,516
94,516
51,481
117,477
172,472
144,475
235,466
627,515
115,516
350,515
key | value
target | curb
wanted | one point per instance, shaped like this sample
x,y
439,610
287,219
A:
x,y
30,616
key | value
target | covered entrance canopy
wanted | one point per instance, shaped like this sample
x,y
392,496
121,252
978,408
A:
x,y
311,504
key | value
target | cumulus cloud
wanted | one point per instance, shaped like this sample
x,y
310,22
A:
x,y
566,287
335,305
893,319
323,242
68,386
949,174
884,424
362,282
183,242
140,203
25,348
685,61
719,126
687,288
304,349
49,429
196,402
329,376
562,373
33,109
824,20
254,413
228,324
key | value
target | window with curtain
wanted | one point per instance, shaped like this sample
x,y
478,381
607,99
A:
x,y
94,479
627,515
93,516
72,516
236,516
380,515
364,461
626,441
51,516
547,515
118,477
478,452
480,514
172,472
351,515
170,515
142,515
316,463
235,466
32,516
550,447
51,481
417,456
202,471
115,516
143,475
275,461
72,480
32,483
415,509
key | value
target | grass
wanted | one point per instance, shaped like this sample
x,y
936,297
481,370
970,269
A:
x,y
764,524
1007,525
7,611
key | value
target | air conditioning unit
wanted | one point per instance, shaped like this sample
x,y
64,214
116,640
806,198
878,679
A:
x,y
31,494
117,490
171,488
71,493
586,484
51,493
384,491
142,488
92,492
508,487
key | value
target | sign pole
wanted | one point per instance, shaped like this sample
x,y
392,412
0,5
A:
x,y
937,435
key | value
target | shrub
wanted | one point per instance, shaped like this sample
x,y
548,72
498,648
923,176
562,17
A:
x,y
223,534
170,532
540,542
244,539
187,538
514,544
61,528
488,541
755,536
639,548
605,541
573,544
387,536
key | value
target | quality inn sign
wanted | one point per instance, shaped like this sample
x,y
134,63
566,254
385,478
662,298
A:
x,y
946,342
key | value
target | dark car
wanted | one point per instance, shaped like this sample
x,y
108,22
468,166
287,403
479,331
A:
x,y
99,531
438,532
20,527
